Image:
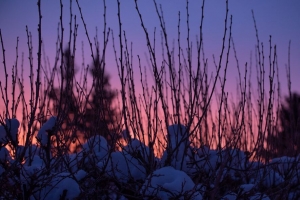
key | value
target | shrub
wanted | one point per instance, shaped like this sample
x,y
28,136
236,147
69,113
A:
x,y
81,139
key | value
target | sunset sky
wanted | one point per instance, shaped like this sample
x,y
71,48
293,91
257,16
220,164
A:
x,y
72,137
281,19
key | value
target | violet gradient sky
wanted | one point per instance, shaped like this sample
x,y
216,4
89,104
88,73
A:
x,y
278,18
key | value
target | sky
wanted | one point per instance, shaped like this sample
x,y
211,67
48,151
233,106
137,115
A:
x,y
277,18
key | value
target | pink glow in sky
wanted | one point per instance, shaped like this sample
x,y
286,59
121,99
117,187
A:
x,y
281,19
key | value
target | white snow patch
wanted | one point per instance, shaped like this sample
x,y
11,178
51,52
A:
x,y
167,182
246,188
32,173
80,174
230,196
96,149
12,126
124,167
43,132
4,155
268,177
60,184
178,143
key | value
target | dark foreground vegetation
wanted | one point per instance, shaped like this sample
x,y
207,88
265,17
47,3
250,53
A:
x,y
77,137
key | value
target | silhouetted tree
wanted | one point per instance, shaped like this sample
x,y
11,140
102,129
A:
x,y
101,116
84,120
67,101
65,104
287,140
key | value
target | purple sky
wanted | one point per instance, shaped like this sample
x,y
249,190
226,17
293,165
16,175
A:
x,y
281,19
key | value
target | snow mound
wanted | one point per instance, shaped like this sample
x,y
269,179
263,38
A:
x,y
72,161
33,173
96,149
168,182
123,167
44,131
205,160
139,150
62,185
12,126
230,196
178,142
246,188
4,159
97,144
285,165
234,158
80,174
4,155
268,177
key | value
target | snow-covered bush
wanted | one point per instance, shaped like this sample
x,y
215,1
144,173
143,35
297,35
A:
x,y
94,150
9,131
267,177
4,159
174,145
60,186
177,145
45,131
206,160
286,166
138,149
123,167
167,182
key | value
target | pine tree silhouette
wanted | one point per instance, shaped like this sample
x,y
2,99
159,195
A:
x,y
67,101
98,117
65,104
101,116
287,140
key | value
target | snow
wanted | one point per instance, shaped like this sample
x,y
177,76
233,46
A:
x,y
4,159
58,186
268,177
230,196
123,167
96,144
284,165
168,182
33,173
138,149
191,172
259,196
12,126
206,160
80,175
246,188
30,152
44,131
4,155
177,146
96,149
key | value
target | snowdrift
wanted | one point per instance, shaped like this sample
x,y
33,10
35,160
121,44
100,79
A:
x,y
183,172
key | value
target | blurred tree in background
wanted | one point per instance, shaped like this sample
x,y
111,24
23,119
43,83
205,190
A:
x,y
287,140
82,120
64,101
100,115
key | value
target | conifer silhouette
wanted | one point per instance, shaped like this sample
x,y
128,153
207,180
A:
x,y
84,121
287,140
100,115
